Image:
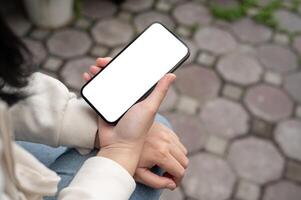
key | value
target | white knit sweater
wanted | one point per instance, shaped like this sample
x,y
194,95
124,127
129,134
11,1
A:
x,y
52,115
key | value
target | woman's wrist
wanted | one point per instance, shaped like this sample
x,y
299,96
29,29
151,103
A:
x,y
125,155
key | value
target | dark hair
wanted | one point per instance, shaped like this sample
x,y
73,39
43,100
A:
x,y
15,64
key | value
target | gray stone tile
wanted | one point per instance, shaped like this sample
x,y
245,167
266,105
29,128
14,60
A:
x,y
277,58
216,145
288,136
73,70
99,51
297,44
144,19
193,49
52,64
192,13
262,128
37,49
203,84
96,9
224,118
69,43
208,177
206,59
39,34
273,78
215,40
288,21
172,195
292,84
247,191
187,105
249,31
268,103
256,160
232,91
283,190
112,32
19,24
240,68
189,130
137,5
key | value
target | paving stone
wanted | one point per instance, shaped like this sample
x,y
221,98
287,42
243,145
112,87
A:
x,y
292,84
99,51
203,84
19,24
73,70
170,100
112,32
232,91
215,40
192,13
298,111
53,63
187,105
206,59
37,49
247,191
224,3
249,31
183,31
281,39
224,118
208,177
125,15
297,44
283,190
246,49
137,5
69,43
273,78
163,6
173,2
189,130
288,21
277,58
172,195
192,50
39,34
262,128
83,23
293,171
96,9
268,103
144,19
216,145
240,68
256,160
288,136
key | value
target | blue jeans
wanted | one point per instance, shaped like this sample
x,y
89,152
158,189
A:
x,y
66,162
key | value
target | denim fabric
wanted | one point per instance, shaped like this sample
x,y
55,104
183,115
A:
x,y
66,162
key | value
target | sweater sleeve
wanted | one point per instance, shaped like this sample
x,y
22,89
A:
x,y
52,115
100,178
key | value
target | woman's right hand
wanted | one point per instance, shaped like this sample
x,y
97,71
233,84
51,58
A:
x,y
123,143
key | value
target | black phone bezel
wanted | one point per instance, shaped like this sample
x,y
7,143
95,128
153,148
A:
x,y
147,92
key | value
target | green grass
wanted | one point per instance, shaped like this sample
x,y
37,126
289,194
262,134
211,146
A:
x,y
264,16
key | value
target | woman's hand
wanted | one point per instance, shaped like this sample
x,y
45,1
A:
x,y
124,142
162,148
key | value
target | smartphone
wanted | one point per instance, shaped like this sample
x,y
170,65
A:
x,y
133,73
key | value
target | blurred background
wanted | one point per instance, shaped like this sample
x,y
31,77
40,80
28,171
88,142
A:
x,y
236,103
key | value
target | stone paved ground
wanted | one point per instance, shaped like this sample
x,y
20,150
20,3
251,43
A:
x,y
236,103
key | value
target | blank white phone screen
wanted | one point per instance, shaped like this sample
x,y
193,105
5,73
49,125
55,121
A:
x,y
133,72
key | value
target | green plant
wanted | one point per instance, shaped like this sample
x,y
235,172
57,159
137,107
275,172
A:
x,y
266,14
77,7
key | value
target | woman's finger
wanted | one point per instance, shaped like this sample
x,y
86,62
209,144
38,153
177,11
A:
x,y
157,95
94,70
86,76
177,153
173,167
102,62
146,177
